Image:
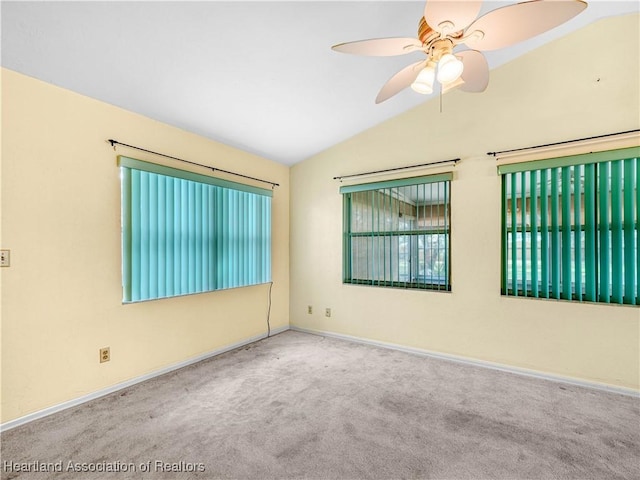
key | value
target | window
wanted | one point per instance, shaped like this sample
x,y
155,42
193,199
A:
x,y
185,233
397,234
570,228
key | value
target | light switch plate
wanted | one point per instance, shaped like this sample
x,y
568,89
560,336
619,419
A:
x,y
5,258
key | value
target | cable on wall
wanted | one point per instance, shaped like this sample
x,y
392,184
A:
x,y
269,312
513,150
430,164
214,169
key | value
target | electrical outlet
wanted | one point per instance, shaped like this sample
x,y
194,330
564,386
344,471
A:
x,y
105,354
327,312
5,258
309,309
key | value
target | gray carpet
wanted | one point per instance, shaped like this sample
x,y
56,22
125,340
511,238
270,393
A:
x,y
303,406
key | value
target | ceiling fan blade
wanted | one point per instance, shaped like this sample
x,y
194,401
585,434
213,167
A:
x,y
458,13
400,81
380,47
476,71
514,23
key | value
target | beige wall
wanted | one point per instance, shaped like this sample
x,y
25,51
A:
x,y
61,297
575,87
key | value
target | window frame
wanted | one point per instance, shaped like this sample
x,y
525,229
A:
x,y
435,283
184,233
607,181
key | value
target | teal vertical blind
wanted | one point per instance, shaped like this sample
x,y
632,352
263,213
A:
x,y
570,228
184,233
397,233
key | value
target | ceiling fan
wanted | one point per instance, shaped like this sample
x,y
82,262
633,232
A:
x,y
447,24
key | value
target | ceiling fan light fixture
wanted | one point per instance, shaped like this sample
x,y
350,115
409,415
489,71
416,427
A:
x,y
424,81
449,68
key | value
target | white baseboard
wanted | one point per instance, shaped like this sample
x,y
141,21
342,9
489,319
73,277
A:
x,y
119,386
477,363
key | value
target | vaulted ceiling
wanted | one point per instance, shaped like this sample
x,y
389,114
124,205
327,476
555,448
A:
x,y
259,76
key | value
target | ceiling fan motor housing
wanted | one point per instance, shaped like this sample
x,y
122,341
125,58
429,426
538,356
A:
x,y
436,44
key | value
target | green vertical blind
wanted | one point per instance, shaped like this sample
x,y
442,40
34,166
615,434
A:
x,y
397,233
184,233
570,228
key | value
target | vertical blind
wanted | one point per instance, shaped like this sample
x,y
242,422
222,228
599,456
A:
x,y
396,233
570,227
184,233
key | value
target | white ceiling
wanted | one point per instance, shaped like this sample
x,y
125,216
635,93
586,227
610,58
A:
x,y
259,76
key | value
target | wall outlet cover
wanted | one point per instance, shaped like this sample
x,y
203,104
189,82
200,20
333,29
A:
x,y
105,354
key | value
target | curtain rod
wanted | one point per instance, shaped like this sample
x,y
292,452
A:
x,y
214,169
562,143
453,160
